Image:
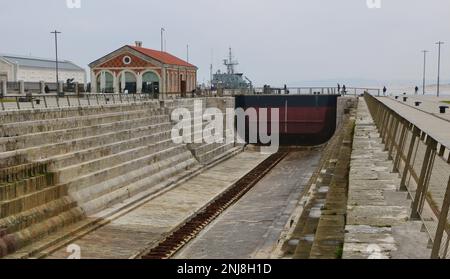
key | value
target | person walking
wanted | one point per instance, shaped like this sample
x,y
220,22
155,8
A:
x,y
416,90
384,90
344,89
339,88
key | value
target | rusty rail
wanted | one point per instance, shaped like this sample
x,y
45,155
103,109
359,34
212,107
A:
x,y
186,232
420,160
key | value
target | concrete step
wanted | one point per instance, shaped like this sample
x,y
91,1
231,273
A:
x,y
36,139
39,153
22,220
31,200
39,126
69,173
97,190
12,242
61,113
123,193
25,186
119,170
21,171
78,157
205,158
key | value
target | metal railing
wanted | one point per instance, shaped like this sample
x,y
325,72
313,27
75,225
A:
x,y
424,166
42,101
351,91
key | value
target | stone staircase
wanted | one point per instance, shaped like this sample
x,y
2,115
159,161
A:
x,y
210,150
59,166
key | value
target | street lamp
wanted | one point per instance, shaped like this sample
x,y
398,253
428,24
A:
x,y
162,36
439,66
56,50
424,68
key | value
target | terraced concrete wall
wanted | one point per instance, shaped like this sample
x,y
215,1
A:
x,y
58,166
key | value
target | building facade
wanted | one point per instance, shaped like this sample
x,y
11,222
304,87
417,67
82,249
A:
x,y
135,69
14,68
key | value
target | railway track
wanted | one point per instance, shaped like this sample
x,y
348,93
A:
x,y
189,230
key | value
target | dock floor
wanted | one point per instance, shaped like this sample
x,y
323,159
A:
x,y
251,228
130,234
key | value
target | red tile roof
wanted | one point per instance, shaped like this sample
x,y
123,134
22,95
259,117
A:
x,y
161,56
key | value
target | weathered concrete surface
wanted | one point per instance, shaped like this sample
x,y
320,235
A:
x,y
128,235
252,227
436,127
377,219
99,157
428,104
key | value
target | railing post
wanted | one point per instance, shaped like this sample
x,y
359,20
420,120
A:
x,y
441,225
385,126
17,102
414,135
87,97
21,87
45,101
389,131
1,101
401,147
392,141
4,88
424,180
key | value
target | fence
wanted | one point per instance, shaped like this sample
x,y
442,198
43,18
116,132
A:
x,y
424,166
13,87
353,91
41,101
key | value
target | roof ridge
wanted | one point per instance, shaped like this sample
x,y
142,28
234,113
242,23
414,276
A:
x,y
175,60
6,55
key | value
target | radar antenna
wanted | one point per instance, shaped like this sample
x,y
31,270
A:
x,y
230,63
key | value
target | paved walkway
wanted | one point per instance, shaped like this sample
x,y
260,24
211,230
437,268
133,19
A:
x,y
128,235
377,219
428,104
430,124
252,227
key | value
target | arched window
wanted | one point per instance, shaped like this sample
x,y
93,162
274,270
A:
x,y
150,83
108,85
127,82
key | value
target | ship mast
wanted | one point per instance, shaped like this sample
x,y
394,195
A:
x,y
230,63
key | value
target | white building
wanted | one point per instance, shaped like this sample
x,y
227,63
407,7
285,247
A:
x,y
32,69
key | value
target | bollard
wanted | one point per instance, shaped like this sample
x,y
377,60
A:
x,y
417,104
396,97
443,109
405,99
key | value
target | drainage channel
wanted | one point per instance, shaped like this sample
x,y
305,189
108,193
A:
x,y
189,230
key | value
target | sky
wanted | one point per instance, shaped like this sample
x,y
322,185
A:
x,y
277,42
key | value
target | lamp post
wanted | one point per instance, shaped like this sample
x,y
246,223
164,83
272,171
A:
x,y
439,67
56,50
424,68
162,38
187,53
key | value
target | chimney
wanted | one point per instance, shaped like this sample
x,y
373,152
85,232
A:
x,y
138,43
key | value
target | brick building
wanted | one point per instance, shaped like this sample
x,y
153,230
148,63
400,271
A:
x,y
136,69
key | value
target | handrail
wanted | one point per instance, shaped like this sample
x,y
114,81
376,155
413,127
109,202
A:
x,y
405,144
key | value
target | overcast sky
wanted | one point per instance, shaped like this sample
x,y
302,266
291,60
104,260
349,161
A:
x,y
275,41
